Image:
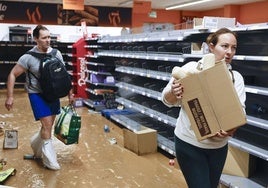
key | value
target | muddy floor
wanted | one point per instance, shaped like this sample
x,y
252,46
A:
x,y
93,162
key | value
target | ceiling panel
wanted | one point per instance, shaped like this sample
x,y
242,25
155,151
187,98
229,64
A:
x,y
156,4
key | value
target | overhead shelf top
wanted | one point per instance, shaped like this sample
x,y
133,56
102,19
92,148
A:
x,y
175,35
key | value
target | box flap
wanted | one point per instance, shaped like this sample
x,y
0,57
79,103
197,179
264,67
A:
x,y
144,130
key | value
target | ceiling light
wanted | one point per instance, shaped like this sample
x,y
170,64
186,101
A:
x,y
186,4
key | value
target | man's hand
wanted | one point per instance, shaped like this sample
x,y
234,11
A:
x,y
71,98
9,103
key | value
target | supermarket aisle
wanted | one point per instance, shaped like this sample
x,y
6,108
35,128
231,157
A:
x,y
94,162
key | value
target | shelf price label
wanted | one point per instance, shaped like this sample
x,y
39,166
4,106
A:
x,y
180,38
181,59
240,57
170,151
265,58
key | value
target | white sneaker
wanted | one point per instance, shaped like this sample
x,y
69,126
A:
x,y
49,156
36,144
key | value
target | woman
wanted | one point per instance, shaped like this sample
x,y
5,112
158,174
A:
x,y
202,162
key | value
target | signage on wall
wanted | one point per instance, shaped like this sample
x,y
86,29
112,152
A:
x,y
73,4
28,13
152,14
3,9
37,13
89,15
96,16
115,17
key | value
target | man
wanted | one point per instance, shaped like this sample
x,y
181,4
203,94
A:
x,y
43,111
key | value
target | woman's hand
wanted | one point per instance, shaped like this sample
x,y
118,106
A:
x,y
174,94
223,134
177,89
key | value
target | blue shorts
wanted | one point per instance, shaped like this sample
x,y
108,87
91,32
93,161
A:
x,y
42,108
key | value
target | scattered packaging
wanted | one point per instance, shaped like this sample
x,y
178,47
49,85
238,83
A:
x,y
6,173
112,141
79,102
10,139
106,128
3,162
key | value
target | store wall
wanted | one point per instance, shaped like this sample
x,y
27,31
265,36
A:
x,y
254,13
174,17
244,14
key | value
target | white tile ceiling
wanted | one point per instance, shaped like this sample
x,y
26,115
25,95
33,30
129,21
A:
x,y
156,4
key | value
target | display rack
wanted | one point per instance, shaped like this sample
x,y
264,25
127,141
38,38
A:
x,y
101,79
11,52
79,72
144,63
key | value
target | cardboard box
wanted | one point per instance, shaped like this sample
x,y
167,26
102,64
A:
x,y
141,142
209,22
211,102
199,48
237,163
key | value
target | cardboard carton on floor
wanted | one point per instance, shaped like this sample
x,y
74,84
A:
x,y
211,102
10,139
238,163
141,142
